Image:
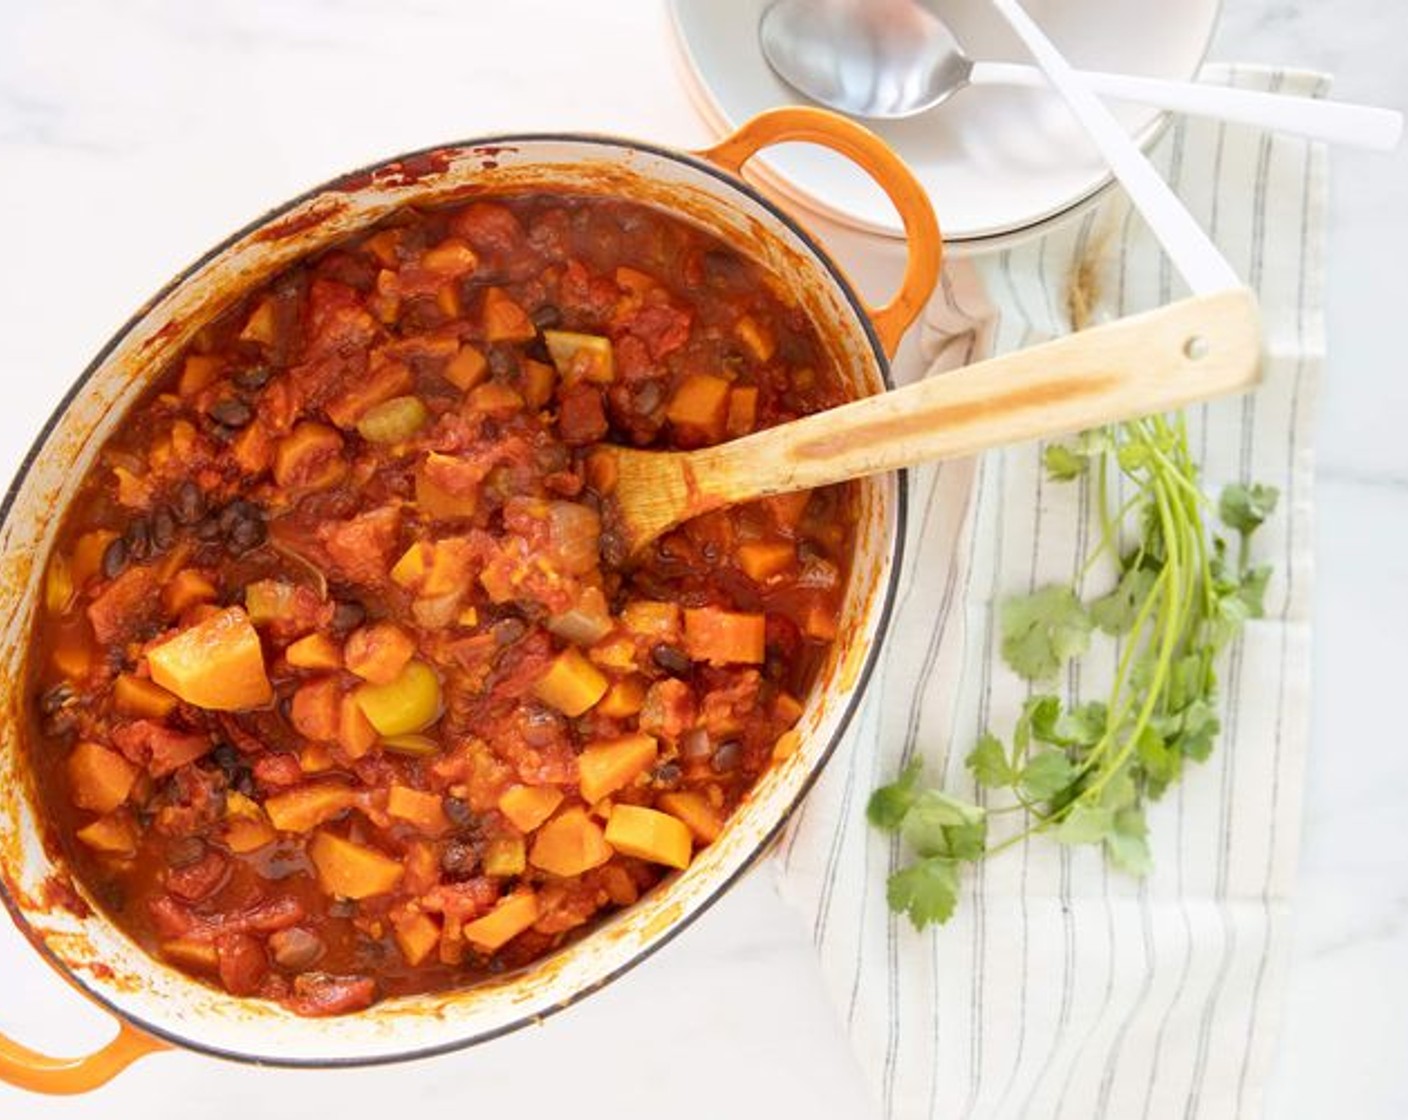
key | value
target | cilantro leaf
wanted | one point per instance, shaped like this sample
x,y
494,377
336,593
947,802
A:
x,y
1042,631
1063,464
1083,726
1200,726
1047,774
938,824
1085,824
1244,508
926,890
1115,612
889,804
1127,843
988,761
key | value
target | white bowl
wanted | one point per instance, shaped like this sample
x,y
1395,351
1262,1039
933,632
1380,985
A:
x,y
1000,164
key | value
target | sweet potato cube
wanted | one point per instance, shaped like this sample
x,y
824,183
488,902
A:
x,y
537,382
529,806
248,834
137,696
316,709
787,509
199,371
757,337
261,326
304,808
467,368
216,664
423,810
649,834
652,619
494,397
187,588
623,699
316,758
348,870
114,835
787,708
761,560
604,767
742,410
505,856
572,684
355,733
309,458
700,407
452,257
99,779
197,956
73,654
569,844
315,651
701,818
819,622
503,923
724,637
379,652
505,320
435,501
417,935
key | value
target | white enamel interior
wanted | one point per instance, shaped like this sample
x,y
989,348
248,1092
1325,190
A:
x,y
153,995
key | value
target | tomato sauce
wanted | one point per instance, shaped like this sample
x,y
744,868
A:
x,y
335,697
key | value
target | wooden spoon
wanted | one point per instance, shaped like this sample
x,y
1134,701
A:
x,y
1189,351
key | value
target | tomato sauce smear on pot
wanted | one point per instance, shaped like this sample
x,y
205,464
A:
x,y
334,697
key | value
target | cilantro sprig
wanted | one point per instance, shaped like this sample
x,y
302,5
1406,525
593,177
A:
x,y
1084,773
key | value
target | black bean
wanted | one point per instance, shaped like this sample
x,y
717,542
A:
x,y
459,812
138,539
253,377
114,558
503,362
295,949
342,908
723,268
670,658
667,775
60,696
163,529
245,536
728,756
209,529
509,630
189,506
231,412
184,851
547,316
348,615
459,860
649,397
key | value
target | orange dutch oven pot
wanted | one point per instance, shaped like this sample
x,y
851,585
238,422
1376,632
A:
x,y
158,1007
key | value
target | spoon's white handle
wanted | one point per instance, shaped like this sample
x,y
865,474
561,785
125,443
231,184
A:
x,y
1357,126
1194,255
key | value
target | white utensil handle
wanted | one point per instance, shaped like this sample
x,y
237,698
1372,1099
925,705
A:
x,y
1335,122
1194,255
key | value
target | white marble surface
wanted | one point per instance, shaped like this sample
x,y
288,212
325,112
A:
x,y
134,135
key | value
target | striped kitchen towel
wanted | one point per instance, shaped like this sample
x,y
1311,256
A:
x,y
1061,987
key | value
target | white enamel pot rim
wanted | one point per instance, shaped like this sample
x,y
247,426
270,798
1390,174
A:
x,y
157,1006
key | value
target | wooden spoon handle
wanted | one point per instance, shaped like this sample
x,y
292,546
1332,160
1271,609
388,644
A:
x,y
1193,350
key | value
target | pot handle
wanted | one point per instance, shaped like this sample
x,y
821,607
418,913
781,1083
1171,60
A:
x,y
842,135
28,1069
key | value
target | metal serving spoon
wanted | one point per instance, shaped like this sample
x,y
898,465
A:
x,y
889,59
